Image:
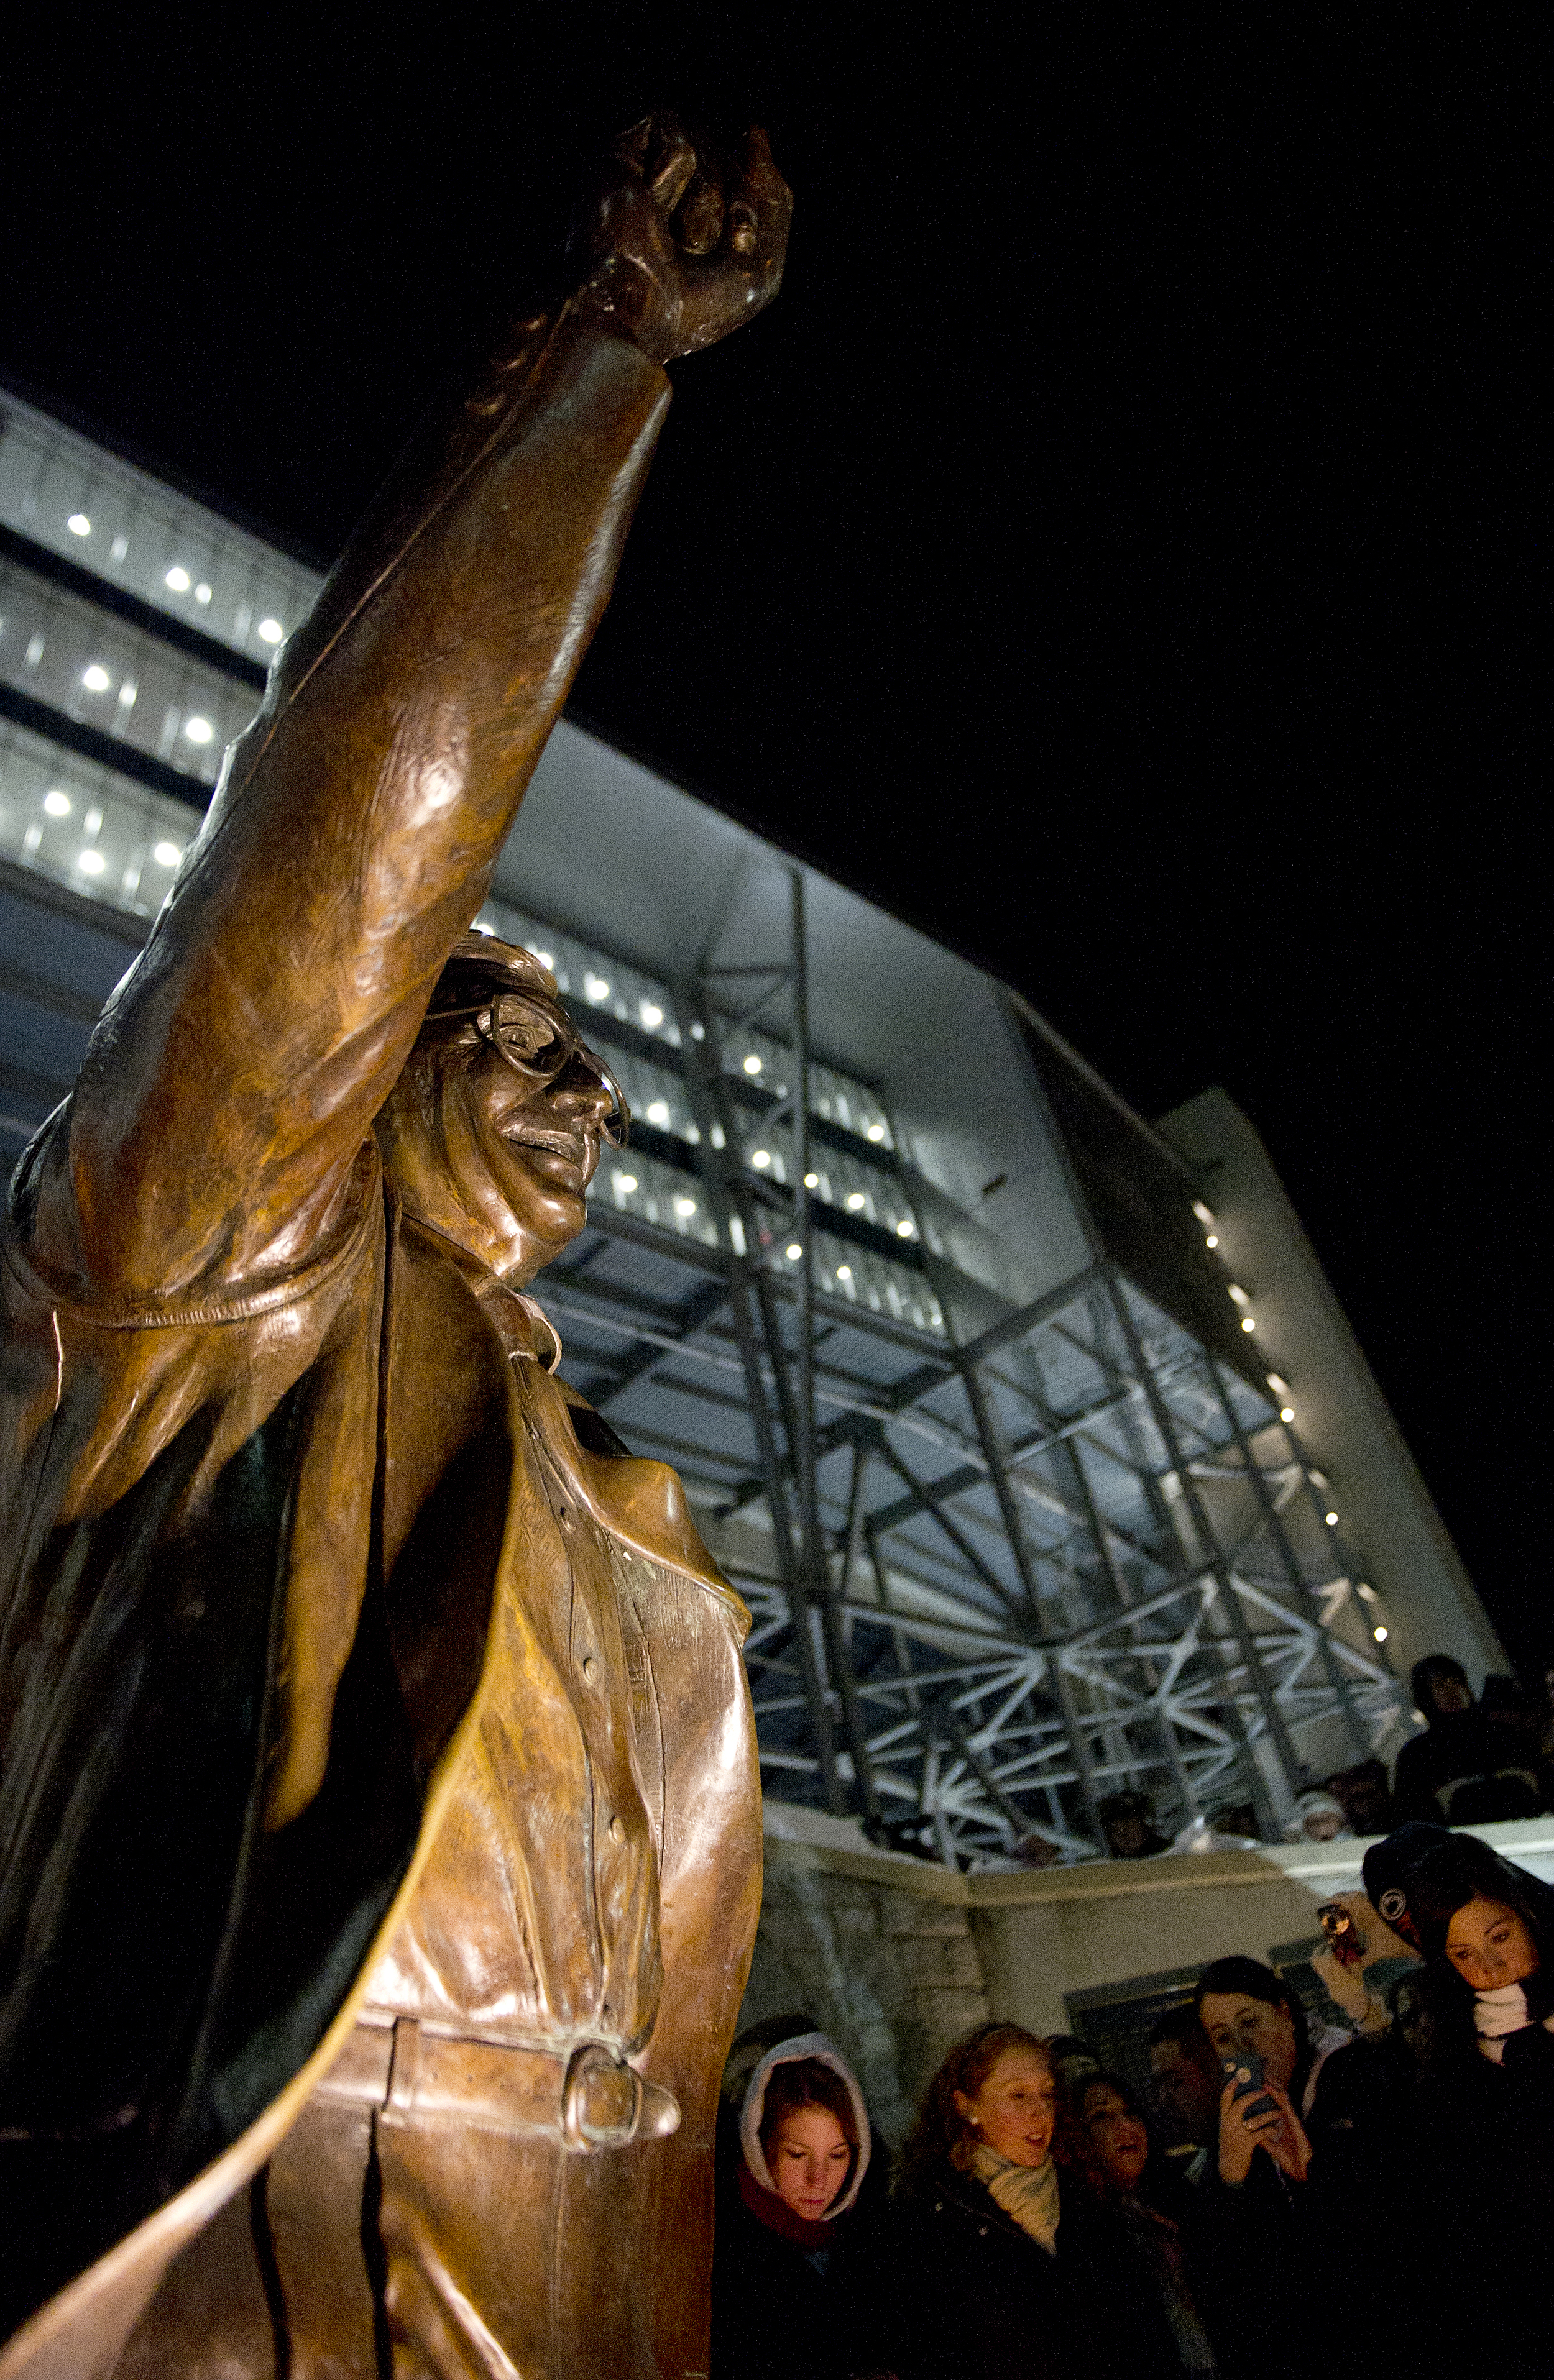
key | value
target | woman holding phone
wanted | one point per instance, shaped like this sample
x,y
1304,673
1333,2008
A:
x,y
1278,2229
1245,2008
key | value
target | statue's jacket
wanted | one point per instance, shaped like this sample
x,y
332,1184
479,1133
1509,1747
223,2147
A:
x,y
349,1668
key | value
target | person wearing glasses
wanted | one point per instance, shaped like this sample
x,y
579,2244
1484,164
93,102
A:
x,y
379,1809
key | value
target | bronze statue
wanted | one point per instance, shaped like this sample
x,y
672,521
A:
x,y
379,1812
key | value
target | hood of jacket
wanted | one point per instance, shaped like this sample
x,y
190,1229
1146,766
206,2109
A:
x,y
802,2046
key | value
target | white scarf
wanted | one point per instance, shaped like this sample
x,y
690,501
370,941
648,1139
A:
x,y
1027,2194
1497,2015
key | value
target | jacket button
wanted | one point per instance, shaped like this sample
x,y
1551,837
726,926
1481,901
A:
x,y
589,1665
616,1830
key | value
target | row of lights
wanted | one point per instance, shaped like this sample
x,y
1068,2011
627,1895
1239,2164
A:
x,y
685,1208
270,632
95,679
596,989
754,1065
685,1205
58,805
856,1200
1238,1295
1280,1387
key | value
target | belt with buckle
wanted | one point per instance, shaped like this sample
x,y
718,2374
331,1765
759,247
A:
x,y
587,2097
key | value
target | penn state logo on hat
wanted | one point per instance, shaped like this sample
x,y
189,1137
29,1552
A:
x,y
1393,1904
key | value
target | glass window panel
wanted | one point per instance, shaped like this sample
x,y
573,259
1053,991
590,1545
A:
x,y
150,553
21,462
637,1185
586,977
57,810
232,578
123,681
59,497
139,531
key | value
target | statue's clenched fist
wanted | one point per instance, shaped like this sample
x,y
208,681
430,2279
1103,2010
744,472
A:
x,y
682,242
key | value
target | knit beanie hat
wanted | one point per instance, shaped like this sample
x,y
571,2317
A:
x,y
1388,1865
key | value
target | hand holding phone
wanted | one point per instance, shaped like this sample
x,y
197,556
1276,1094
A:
x,y
1246,2071
1255,2114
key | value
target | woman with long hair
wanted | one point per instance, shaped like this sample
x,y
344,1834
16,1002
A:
x,y
1487,1929
792,2290
1103,2139
1478,2210
1003,2271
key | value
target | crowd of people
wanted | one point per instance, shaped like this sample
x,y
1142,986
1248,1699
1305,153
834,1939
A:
x,y
1479,1760
1370,2198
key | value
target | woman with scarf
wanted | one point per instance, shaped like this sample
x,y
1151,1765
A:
x,y
1478,2213
1004,2271
793,2295
1103,2140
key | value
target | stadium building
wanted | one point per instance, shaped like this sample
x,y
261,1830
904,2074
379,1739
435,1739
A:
x,y
1031,1432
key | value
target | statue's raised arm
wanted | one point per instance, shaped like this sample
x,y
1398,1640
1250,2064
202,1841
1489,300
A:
x,y
351,840
379,1805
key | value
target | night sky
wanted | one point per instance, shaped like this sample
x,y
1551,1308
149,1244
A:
x,y
1116,551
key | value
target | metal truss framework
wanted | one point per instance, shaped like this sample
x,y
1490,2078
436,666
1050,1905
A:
x,y
990,1582
992,1578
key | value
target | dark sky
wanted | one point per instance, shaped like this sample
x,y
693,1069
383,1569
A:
x,y
1115,549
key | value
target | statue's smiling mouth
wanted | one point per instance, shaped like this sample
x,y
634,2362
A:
x,y
549,1140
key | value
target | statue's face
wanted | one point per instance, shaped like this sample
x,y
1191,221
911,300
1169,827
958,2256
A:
x,y
495,1154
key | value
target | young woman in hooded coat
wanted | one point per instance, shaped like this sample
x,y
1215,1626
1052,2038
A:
x,y
794,2292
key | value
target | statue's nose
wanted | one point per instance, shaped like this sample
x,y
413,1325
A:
x,y
582,1092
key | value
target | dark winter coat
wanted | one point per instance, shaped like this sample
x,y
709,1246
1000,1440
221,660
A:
x,y
1281,2268
976,2299
1465,1771
1474,2199
782,2311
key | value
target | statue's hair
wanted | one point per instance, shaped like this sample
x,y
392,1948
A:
x,y
479,965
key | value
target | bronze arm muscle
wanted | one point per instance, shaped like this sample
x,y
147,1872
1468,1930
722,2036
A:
x,y
354,834
230,1083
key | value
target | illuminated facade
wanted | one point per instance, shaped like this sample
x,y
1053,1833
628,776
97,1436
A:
x,y
970,1373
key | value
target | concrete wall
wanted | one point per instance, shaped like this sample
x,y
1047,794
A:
x,y
878,1947
1428,1601
895,1957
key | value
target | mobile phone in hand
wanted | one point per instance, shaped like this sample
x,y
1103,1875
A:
x,y
1245,2070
